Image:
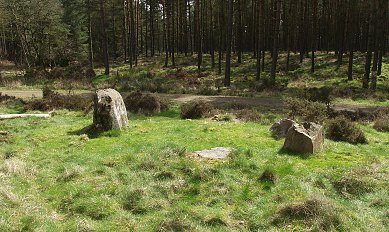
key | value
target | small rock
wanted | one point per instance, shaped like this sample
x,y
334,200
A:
x,y
279,129
306,139
84,137
4,133
215,153
109,110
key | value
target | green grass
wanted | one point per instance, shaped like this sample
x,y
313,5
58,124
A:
x,y
144,178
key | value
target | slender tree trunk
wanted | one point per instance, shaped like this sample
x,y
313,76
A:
x,y
104,37
314,16
259,41
172,47
373,84
165,37
379,68
350,65
366,77
198,35
212,37
114,42
124,31
275,43
383,40
221,24
239,32
90,37
227,77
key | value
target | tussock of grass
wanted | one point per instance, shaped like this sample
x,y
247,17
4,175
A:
x,y
179,224
15,166
363,180
132,201
215,221
353,185
8,198
314,213
268,176
70,173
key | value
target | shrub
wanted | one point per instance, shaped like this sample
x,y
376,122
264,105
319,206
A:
x,y
341,129
223,117
196,109
307,110
322,95
147,104
249,115
53,100
353,115
381,124
5,98
33,75
381,113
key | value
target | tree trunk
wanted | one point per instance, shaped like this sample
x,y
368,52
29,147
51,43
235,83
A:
x,y
90,38
275,42
366,77
350,65
227,77
104,37
259,41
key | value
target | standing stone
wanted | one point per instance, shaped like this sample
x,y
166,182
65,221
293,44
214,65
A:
x,y
279,129
306,139
110,111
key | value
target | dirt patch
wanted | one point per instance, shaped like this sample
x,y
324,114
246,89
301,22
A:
x,y
7,65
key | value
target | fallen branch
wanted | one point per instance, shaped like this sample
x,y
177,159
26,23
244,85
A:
x,y
13,116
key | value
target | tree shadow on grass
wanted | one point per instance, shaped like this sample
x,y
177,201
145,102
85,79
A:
x,y
90,130
287,152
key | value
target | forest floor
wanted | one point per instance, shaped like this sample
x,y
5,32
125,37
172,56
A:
x,y
53,177
272,104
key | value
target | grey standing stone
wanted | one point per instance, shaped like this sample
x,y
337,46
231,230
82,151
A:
x,y
109,110
279,129
306,139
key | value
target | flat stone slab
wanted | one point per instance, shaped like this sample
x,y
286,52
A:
x,y
215,153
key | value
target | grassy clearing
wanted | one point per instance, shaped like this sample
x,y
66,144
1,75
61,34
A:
x,y
144,178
